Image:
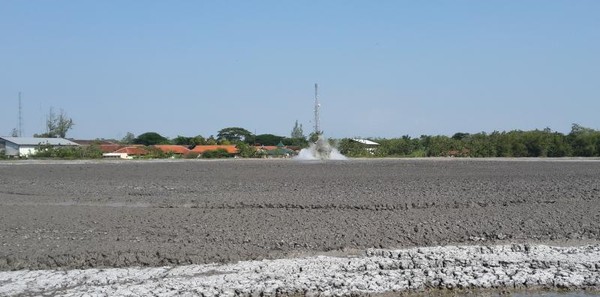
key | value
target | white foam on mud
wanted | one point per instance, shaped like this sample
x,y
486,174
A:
x,y
320,150
376,271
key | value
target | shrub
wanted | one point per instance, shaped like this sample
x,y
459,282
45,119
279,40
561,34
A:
x,y
68,152
155,153
191,155
216,154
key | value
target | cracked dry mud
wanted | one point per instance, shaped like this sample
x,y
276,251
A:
x,y
379,271
122,214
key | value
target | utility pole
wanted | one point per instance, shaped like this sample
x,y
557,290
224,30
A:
x,y
20,117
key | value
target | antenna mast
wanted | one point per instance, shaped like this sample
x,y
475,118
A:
x,y
20,117
317,106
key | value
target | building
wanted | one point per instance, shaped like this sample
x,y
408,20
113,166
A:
x,y
179,150
105,146
128,152
200,149
275,151
22,147
369,145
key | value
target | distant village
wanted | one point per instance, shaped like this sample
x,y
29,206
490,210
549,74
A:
x,y
66,148
27,147
235,142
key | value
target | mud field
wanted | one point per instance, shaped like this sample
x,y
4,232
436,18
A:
x,y
131,213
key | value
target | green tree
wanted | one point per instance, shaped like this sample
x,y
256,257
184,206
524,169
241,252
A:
x,y
351,148
182,140
57,125
234,134
441,145
459,135
559,146
245,150
299,142
398,147
211,140
518,148
584,141
128,139
297,131
479,145
198,140
536,142
501,145
267,139
150,138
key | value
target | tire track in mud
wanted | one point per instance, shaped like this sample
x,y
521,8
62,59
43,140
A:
x,y
330,206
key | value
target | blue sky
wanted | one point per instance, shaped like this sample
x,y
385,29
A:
x,y
385,68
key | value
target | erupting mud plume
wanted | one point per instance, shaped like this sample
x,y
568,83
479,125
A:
x,y
320,149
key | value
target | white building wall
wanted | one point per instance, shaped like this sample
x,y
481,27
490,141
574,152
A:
x,y
25,150
117,155
16,150
27,146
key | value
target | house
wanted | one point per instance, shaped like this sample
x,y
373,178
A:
x,y
369,145
173,149
275,151
109,148
366,142
127,152
200,149
105,146
25,146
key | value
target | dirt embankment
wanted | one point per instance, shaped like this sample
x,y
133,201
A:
x,y
81,215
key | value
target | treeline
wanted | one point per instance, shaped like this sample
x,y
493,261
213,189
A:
x,y
231,135
580,142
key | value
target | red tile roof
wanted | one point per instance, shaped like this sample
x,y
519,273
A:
x,y
132,150
203,148
109,148
176,149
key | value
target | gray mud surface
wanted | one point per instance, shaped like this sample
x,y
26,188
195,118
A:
x,y
120,214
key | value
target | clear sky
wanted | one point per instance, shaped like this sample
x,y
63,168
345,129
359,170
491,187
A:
x,y
384,68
